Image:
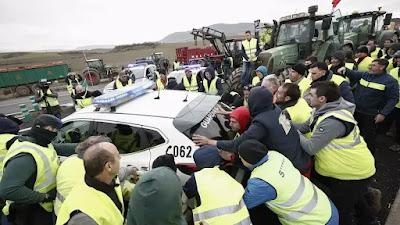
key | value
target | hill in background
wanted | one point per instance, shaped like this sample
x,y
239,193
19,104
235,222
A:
x,y
229,30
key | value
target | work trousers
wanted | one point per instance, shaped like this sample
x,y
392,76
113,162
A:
x,y
29,215
247,69
393,117
346,195
368,129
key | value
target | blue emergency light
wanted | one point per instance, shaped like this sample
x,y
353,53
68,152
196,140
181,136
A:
x,y
191,67
120,96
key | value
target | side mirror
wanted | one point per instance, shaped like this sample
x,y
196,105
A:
x,y
326,23
388,19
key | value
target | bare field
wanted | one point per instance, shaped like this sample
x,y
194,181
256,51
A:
x,y
76,60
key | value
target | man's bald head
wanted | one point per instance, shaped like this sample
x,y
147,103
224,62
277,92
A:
x,y
97,156
79,88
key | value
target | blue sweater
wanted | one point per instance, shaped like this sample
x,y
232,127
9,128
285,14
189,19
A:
x,y
258,191
370,99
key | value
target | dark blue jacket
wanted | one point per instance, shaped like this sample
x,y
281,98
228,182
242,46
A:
x,y
345,89
270,127
375,93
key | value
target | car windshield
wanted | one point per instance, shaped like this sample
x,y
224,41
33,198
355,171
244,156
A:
x,y
293,32
358,25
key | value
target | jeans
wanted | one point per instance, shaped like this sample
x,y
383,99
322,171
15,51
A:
x,y
247,69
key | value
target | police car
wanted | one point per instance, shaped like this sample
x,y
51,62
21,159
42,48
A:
x,y
145,124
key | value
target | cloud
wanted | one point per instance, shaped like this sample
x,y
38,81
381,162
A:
x,y
49,24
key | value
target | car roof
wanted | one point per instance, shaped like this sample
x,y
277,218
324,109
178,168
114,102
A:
x,y
169,104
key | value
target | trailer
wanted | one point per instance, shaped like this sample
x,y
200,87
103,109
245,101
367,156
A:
x,y
183,55
21,81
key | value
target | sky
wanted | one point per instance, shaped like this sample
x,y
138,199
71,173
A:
x,y
31,25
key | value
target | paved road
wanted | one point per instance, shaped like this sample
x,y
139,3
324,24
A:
x,y
12,105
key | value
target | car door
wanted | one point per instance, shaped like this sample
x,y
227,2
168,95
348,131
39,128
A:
x,y
130,140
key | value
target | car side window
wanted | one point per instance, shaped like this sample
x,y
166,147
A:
x,y
128,138
73,132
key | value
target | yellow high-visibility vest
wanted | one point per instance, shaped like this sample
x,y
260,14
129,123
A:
x,y
119,84
83,102
213,86
192,86
160,85
363,66
250,48
52,101
4,138
70,173
255,81
96,204
300,112
46,168
219,206
390,65
301,202
395,74
304,85
346,158
374,54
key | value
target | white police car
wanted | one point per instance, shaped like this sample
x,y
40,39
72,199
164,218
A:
x,y
145,124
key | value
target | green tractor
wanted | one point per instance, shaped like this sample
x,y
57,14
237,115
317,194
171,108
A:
x,y
96,70
356,28
299,36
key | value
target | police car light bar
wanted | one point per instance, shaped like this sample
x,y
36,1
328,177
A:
x,y
191,67
123,95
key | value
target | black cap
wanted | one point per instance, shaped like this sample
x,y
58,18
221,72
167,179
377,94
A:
x,y
252,151
167,160
362,49
206,157
300,68
45,120
8,126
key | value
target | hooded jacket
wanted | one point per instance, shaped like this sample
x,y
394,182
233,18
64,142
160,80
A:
x,y
270,127
156,199
219,81
242,115
328,129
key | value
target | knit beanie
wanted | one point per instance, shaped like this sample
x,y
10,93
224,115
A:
x,y
263,70
252,151
300,68
47,120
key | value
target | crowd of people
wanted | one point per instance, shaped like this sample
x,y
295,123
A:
x,y
302,153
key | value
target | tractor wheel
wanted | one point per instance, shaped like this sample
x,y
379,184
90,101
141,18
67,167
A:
x,y
23,90
233,81
92,77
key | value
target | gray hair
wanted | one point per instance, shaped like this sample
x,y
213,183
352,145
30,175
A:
x,y
83,146
272,79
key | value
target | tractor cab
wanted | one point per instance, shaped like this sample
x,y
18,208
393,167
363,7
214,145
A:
x,y
358,27
96,64
299,36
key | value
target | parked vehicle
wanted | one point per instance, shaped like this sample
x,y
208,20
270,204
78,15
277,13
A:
x,y
21,81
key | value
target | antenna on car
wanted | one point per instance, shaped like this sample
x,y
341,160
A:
x,y
187,94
